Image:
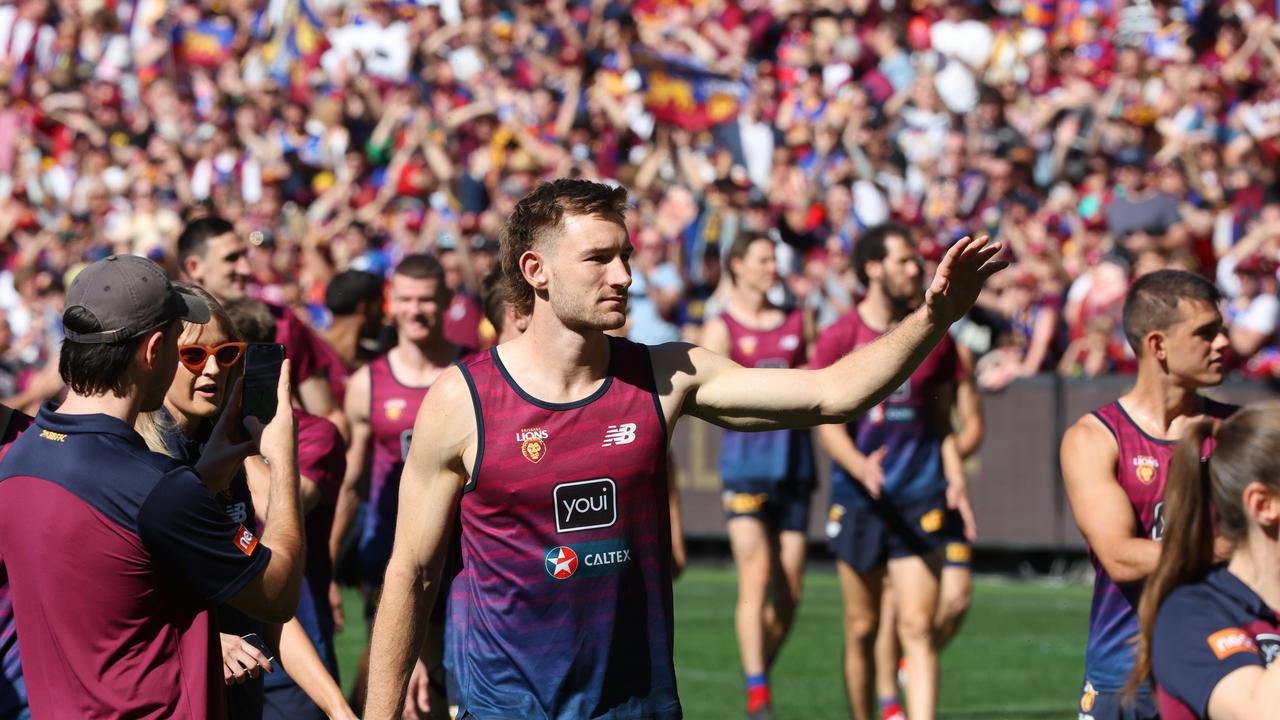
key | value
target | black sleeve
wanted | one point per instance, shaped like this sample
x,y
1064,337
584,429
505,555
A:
x,y
181,523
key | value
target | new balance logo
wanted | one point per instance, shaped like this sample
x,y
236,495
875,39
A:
x,y
623,434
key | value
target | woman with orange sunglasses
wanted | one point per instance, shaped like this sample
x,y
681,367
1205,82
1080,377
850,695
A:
x,y
210,360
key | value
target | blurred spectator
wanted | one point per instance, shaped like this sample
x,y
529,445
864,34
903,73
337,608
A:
x,y
334,135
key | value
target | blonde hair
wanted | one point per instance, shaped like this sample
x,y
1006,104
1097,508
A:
x,y
153,426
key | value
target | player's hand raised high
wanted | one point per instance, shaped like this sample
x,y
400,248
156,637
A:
x,y
960,277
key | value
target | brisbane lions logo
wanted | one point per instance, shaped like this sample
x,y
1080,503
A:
x,y
533,444
394,408
1145,466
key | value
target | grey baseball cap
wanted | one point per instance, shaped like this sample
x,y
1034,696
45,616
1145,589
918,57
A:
x,y
129,295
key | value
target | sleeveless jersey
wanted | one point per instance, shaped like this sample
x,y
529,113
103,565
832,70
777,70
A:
x,y
562,607
1142,464
903,423
776,455
393,407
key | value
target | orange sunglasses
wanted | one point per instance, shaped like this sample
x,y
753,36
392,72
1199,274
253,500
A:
x,y
195,356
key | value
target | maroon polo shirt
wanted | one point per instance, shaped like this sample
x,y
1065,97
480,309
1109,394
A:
x,y
116,557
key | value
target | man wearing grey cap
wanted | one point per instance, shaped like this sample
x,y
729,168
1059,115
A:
x,y
115,555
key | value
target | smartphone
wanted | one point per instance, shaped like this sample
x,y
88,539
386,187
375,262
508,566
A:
x,y
255,640
261,377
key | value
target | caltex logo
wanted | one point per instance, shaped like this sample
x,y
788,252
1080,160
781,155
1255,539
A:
x,y
562,562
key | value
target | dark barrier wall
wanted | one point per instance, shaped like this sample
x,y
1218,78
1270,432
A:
x,y
1014,479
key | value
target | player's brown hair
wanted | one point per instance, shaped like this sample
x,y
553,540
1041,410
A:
x,y
738,250
1152,302
1247,450
540,214
421,267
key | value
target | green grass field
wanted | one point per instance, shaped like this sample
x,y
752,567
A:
x,y
1019,655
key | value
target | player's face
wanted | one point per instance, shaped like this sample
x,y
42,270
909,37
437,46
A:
x,y
758,269
200,395
588,273
224,268
901,273
417,306
1195,346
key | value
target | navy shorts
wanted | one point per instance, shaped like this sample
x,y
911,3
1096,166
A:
x,y
781,506
958,552
868,536
1095,705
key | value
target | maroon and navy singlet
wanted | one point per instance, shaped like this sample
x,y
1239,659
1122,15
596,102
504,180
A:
x,y
393,406
562,607
1142,464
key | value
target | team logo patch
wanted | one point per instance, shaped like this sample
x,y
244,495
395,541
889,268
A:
x,y
1145,466
1088,698
245,540
931,522
743,503
394,408
789,342
747,344
588,559
623,434
533,444
959,553
562,562
834,516
585,504
1229,641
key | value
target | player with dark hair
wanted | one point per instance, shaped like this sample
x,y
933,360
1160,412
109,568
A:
x,y
1115,461
898,492
768,477
355,299
547,457
1209,632
213,256
382,400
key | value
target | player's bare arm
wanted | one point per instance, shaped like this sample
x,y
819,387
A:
x,y
968,407
944,406
695,381
430,490
357,412
1102,510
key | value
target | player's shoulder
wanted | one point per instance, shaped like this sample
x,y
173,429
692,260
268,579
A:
x,y
452,387
1089,434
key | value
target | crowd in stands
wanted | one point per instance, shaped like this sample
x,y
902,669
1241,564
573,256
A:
x,y
1098,139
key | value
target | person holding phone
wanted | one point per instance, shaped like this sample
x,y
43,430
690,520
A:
x,y
149,552
210,357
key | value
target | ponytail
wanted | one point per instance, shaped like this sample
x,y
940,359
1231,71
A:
x,y
1187,552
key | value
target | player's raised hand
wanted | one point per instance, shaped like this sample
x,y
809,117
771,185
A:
x,y
960,277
